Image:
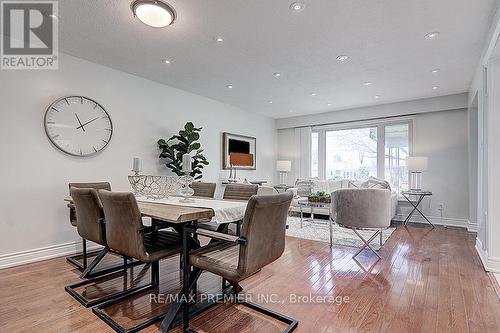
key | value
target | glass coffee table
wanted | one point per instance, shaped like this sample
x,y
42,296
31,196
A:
x,y
309,207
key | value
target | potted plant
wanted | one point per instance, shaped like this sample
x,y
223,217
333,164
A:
x,y
321,197
185,142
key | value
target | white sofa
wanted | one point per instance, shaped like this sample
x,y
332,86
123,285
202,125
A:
x,y
328,186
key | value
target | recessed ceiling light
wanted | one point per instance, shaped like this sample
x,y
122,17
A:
x,y
229,86
297,6
377,96
219,39
290,110
435,71
367,83
155,13
270,102
166,61
436,87
342,57
329,104
432,35
314,94
277,74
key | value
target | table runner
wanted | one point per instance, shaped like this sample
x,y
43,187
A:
x,y
226,211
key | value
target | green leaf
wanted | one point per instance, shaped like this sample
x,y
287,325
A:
x,y
194,146
189,126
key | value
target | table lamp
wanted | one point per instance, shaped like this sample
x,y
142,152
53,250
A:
x,y
416,165
284,167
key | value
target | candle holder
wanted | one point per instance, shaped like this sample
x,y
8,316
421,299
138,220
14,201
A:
x,y
186,191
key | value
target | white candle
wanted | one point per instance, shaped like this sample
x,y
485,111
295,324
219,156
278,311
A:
x,y
136,167
186,163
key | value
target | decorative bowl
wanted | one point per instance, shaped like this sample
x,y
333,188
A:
x,y
155,187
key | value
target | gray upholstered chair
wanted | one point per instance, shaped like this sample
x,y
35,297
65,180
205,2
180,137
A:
x,y
202,189
362,209
239,191
126,234
73,220
262,241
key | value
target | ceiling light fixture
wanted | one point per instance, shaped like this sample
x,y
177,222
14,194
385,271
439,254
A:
x,y
166,61
229,86
219,39
367,83
432,35
329,104
342,58
297,6
377,96
314,94
435,71
155,13
436,87
270,102
277,74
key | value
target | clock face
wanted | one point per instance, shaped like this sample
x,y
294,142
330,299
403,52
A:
x,y
78,126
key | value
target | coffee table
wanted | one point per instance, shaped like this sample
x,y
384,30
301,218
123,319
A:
x,y
310,205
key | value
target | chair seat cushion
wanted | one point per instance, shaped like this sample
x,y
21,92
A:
x,y
162,244
220,259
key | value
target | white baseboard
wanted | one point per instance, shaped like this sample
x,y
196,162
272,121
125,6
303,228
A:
x,y
490,264
44,253
472,227
446,221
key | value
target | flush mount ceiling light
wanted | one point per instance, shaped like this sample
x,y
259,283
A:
x,y
277,74
432,35
342,58
435,71
229,86
297,6
367,83
436,87
155,13
376,96
314,94
166,61
218,39
270,102
329,104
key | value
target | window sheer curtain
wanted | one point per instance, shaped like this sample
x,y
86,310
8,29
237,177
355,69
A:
x,y
302,160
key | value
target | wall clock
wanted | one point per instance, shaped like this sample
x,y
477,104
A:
x,y
78,126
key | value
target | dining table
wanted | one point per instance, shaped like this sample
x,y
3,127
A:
x,y
182,215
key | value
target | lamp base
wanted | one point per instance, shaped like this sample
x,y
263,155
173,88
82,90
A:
x,y
416,181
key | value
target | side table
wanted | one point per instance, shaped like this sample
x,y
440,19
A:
x,y
420,195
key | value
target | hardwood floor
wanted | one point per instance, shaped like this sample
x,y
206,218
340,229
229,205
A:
x,y
428,281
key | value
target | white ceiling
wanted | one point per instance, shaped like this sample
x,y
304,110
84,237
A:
x,y
384,40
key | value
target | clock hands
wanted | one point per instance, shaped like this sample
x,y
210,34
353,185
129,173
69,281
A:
x,y
79,123
88,122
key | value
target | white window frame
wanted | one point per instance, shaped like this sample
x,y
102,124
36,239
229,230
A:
x,y
380,124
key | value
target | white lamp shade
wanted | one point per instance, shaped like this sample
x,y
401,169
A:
x,y
417,163
284,166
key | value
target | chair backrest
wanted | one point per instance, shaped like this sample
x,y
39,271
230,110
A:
x,y
264,229
94,185
304,187
89,214
123,221
362,208
239,191
266,190
202,189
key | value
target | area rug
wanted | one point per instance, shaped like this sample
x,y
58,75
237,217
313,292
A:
x,y
319,230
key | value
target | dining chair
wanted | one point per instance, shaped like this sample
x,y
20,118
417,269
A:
x,y
239,191
235,258
202,189
126,234
362,209
74,260
91,227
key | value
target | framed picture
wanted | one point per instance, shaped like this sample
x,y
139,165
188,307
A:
x,y
239,152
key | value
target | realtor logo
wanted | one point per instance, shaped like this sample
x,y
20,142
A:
x,y
29,35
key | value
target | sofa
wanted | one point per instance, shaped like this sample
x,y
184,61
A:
x,y
304,187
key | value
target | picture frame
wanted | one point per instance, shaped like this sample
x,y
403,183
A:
x,y
241,149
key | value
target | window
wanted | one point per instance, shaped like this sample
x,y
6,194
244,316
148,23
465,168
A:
x,y
358,152
351,153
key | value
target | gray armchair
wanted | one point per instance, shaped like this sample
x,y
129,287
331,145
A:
x,y
360,209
